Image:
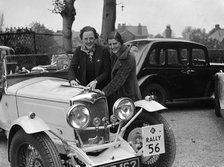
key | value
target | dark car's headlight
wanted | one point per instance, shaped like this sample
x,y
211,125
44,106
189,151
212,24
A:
x,y
123,109
78,116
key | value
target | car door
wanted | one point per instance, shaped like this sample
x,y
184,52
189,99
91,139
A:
x,y
191,79
164,61
200,73
177,70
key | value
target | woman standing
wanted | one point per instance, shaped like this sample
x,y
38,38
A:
x,y
123,75
90,65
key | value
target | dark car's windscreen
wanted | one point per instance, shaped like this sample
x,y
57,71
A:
x,y
141,46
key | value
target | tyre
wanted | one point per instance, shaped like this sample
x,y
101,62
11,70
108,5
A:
x,y
157,92
133,135
35,150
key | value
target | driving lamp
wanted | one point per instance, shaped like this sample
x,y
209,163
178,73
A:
x,y
123,109
78,116
96,122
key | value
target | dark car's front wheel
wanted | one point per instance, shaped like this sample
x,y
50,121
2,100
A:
x,y
157,92
35,150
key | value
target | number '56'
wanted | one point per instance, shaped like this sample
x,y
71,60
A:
x,y
153,149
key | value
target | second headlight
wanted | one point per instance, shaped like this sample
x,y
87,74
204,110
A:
x,y
123,109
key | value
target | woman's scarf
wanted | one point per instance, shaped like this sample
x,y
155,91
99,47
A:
x,y
88,52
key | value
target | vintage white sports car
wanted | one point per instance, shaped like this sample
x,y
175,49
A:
x,y
48,123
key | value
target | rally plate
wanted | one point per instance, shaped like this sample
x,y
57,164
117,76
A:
x,y
153,140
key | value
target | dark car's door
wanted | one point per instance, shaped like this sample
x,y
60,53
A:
x,y
200,71
192,79
178,71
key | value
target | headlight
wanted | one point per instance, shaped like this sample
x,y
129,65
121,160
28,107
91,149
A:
x,y
78,116
123,109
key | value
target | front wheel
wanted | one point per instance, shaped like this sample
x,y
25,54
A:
x,y
35,150
133,136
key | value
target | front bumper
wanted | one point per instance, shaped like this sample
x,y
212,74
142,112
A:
x,y
115,152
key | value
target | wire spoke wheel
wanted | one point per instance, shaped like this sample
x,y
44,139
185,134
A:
x,y
28,156
33,150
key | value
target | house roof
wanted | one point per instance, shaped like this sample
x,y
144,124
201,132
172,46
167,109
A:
x,y
217,33
135,30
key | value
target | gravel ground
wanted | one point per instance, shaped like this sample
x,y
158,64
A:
x,y
3,152
199,135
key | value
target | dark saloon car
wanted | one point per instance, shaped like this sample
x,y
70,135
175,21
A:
x,y
174,69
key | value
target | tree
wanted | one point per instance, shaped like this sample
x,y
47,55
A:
x,y
1,21
109,18
158,36
195,34
44,39
66,9
39,28
199,35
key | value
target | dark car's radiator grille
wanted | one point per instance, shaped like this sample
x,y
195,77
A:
x,y
95,136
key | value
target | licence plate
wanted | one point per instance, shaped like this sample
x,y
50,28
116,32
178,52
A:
x,y
153,140
132,162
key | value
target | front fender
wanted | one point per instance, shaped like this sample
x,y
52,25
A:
x,y
141,80
149,105
30,125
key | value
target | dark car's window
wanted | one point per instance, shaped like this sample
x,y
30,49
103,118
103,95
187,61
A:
x,y
184,57
157,57
198,57
172,55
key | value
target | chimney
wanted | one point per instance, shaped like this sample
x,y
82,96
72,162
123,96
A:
x,y
139,29
121,27
168,32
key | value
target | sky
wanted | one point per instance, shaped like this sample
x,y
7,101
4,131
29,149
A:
x,y
155,14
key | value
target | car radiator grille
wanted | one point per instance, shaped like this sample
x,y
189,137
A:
x,y
95,136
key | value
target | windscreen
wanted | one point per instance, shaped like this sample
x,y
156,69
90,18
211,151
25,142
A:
x,y
30,64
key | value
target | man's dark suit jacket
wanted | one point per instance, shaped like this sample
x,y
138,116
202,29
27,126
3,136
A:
x,y
101,60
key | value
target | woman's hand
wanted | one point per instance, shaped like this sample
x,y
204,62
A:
x,y
92,84
74,83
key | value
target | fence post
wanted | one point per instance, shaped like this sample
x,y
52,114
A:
x,y
34,38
